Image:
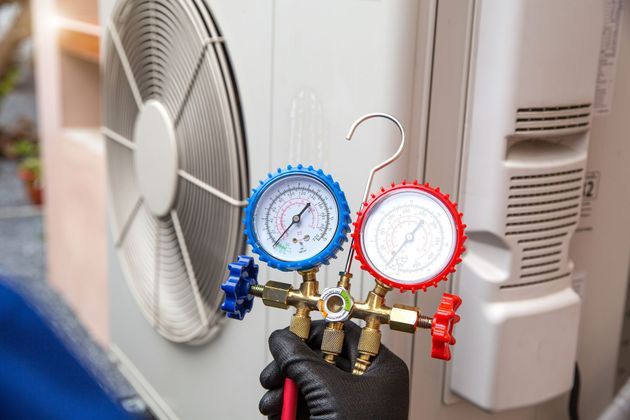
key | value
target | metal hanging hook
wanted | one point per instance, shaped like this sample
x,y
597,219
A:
x,y
375,169
385,162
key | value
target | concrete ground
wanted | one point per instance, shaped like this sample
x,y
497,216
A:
x,y
22,249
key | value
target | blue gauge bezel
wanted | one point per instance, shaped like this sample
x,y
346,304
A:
x,y
340,236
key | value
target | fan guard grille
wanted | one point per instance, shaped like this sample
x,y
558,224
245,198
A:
x,y
170,51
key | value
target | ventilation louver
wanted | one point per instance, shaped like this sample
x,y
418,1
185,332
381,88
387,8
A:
x,y
176,161
543,210
553,120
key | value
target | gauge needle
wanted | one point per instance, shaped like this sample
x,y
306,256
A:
x,y
295,219
408,238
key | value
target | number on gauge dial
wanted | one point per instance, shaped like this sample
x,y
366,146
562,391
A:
x,y
409,236
295,218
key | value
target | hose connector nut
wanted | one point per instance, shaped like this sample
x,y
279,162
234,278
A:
x,y
335,304
276,294
404,318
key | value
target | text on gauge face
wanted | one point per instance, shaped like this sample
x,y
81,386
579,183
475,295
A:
x,y
295,218
409,236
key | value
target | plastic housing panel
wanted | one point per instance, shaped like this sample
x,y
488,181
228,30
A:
x,y
531,85
302,79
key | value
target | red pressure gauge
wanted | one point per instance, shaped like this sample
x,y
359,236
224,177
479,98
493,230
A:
x,y
409,236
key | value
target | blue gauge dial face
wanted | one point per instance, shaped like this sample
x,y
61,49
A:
x,y
295,218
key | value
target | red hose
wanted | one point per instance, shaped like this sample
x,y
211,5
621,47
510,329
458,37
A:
x,y
289,400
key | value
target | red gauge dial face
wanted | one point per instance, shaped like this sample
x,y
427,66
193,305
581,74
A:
x,y
409,236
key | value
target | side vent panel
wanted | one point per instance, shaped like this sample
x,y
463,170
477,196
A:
x,y
542,212
527,127
553,120
543,193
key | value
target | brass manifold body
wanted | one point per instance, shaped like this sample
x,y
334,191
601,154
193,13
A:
x,y
373,311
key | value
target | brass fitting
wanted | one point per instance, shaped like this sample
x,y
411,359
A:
x,y
370,340
301,323
332,341
373,311
344,280
374,306
282,295
276,294
301,320
309,275
404,318
369,346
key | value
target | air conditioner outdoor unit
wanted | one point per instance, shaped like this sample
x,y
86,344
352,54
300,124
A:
x,y
204,97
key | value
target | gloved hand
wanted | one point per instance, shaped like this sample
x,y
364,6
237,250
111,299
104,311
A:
x,y
329,392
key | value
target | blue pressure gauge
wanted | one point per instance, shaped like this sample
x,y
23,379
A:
x,y
297,219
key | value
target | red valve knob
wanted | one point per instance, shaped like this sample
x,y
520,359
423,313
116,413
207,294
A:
x,y
442,326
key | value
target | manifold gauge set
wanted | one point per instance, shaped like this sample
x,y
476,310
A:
x,y
408,236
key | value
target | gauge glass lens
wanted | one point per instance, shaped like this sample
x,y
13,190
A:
x,y
409,236
295,218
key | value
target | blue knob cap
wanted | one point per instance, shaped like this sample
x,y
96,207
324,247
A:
x,y
243,274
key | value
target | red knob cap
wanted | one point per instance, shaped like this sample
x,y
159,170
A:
x,y
442,326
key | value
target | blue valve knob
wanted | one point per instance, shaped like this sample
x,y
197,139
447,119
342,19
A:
x,y
243,274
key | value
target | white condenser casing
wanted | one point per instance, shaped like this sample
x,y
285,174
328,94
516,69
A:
x,y
303,71
532,82
494,96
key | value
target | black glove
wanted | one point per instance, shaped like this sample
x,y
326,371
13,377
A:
x,y
329,392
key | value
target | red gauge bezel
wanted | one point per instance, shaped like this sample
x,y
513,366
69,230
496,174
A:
x,y
434,192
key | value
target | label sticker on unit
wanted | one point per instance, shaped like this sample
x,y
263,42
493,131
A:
x,y
591,186
589,195
579,283
608,53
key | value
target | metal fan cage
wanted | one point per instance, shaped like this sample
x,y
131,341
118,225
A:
x,y
172,52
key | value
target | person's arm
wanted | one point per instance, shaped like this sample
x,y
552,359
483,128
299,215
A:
x,y
329,392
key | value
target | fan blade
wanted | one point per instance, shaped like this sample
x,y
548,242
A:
x,y
178,306
212,229
189,86
128,222
138,251
124,62
183,248
158,35
156,279
205,132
